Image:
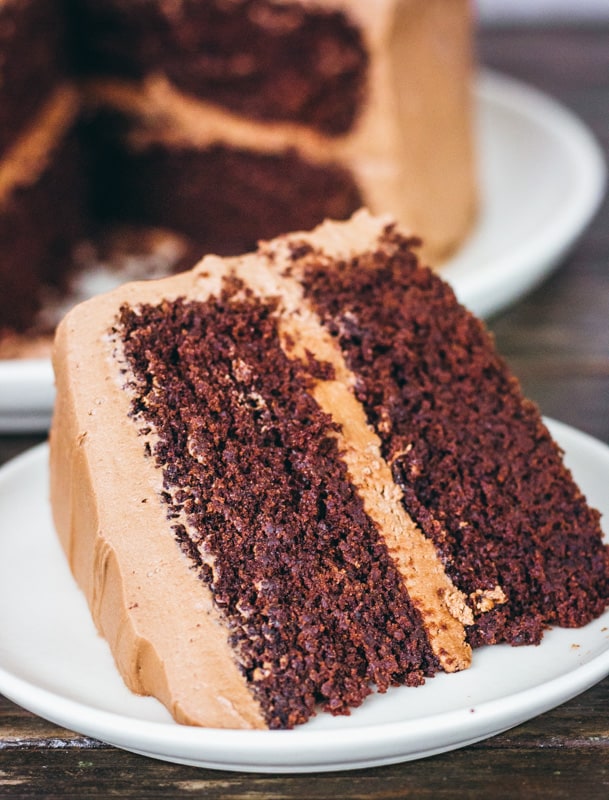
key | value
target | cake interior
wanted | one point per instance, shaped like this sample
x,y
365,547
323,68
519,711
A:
x,y
221,198
262,505
227,123
270,61
225,197
479,471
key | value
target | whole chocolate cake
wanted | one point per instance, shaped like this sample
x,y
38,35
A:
x,y
226,122
287,479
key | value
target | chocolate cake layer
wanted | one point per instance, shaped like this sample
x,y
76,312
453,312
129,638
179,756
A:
x,y
40,223
316,608
33,61
223,198
259,58
478,469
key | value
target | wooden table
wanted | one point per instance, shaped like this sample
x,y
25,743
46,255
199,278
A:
x,y
557,341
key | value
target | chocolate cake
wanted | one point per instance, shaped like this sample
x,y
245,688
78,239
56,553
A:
x,y
287,479
228,122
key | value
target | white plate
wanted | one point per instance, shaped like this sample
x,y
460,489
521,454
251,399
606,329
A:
x,y
53,662
542,178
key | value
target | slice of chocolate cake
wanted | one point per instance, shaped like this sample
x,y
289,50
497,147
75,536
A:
x,y
287,479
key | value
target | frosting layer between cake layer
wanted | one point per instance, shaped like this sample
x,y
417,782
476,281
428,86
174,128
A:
x,y
219,194
478,469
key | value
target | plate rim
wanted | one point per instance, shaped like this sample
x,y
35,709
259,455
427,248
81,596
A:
x,y
371,744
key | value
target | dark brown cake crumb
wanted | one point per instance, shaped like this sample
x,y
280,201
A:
x,y
258,58
255,195
316,609
478,468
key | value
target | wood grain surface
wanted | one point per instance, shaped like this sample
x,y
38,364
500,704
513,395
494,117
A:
x,y
557,342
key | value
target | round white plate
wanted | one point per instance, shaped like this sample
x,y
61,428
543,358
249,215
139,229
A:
x,y
53,663
542,178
